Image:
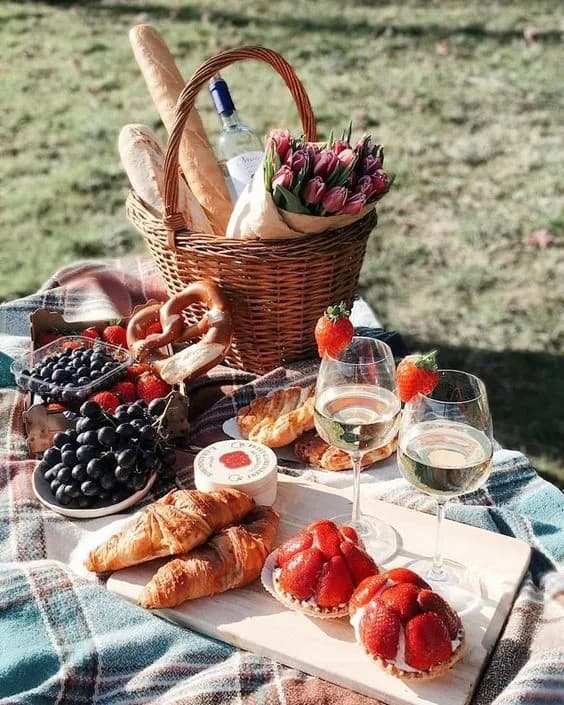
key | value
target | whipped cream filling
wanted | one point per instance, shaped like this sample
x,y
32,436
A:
x,y
399,659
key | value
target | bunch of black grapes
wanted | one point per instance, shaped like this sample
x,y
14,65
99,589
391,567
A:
x,y
108,457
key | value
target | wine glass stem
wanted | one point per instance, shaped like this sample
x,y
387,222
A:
x,y
437,571
356,463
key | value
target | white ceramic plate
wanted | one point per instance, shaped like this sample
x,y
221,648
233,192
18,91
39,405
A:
x,y
231,429
43,493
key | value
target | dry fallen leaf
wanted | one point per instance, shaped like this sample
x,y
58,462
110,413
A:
x,y
442,48
540,239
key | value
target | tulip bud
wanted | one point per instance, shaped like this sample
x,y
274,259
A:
x,y
339,146
364,186
370,164
347,157
281,140
334,199
325,163
298,160
354,204
380,182
314,190
283,177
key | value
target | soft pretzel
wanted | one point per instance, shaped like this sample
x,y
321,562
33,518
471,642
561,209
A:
x,y
215,330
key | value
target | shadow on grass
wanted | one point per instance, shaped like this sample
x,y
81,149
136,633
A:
x,y
342,25
526,393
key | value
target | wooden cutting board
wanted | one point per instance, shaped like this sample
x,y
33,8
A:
x,y
251,619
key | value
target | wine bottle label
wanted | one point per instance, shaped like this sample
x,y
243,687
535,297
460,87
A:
x,y
242,168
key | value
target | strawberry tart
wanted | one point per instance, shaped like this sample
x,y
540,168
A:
x,y
317,571
406,627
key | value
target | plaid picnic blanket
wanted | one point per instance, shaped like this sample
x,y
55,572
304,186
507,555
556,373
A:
x,y
64,639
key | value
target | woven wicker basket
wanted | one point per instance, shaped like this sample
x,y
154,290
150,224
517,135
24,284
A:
x,y
277,289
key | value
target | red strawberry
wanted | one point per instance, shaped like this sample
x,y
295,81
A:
x,y
402,598
358,562
430,601
150,387
292,546
136,370
154,328
46,338
333,330
125,392
70,345
427,641
90,333
108,401
115,335
326,538
349,533
380,630
404,575
366,590
417,374
334,586
299,576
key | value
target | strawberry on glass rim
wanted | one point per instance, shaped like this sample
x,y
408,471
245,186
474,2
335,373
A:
x,y
317,570
417,374
333,330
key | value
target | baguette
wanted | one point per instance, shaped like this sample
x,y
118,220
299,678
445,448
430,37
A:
x,y
142,158
195,155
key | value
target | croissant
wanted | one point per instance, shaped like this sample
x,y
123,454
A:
x,y
280,418
231,559
173,524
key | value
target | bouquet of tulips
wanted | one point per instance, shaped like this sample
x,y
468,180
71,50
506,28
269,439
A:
x,y
306,188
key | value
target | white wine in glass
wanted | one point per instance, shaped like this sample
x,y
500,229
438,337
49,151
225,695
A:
x,y
357,410
445,449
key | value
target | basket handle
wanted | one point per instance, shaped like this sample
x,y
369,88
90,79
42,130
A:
x,y
173,220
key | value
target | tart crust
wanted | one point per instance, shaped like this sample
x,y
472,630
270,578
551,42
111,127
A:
x,y
319,612
435,672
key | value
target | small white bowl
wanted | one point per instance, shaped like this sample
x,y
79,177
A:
x,y
43,493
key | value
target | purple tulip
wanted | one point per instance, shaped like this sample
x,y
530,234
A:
x,y
365,186
354,204
380,182
325,163
281,140
298,160
371,164
314,191
283,177
334,199
340,146
347,157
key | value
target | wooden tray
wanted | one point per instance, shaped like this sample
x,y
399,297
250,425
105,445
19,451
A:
x,y
251,619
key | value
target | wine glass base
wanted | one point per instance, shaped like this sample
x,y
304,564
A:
x,y
379,539
459,585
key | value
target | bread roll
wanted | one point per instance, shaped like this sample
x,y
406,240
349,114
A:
x,y
196,156
143,159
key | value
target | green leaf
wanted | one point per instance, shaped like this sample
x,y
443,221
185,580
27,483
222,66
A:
x,y
293,203
349,132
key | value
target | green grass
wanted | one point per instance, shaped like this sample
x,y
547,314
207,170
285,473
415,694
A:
x,y
470,113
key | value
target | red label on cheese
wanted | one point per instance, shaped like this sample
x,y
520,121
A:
x,y
235,459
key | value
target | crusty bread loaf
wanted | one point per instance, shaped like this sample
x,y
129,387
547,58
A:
x,y
196,156
142,158
280,418
313,450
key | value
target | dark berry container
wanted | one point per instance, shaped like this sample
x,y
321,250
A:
x,y
70,393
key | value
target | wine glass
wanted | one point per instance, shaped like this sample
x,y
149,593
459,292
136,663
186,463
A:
x,y
357,410
445,449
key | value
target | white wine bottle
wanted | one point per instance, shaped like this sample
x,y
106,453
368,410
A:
x,y
240,150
